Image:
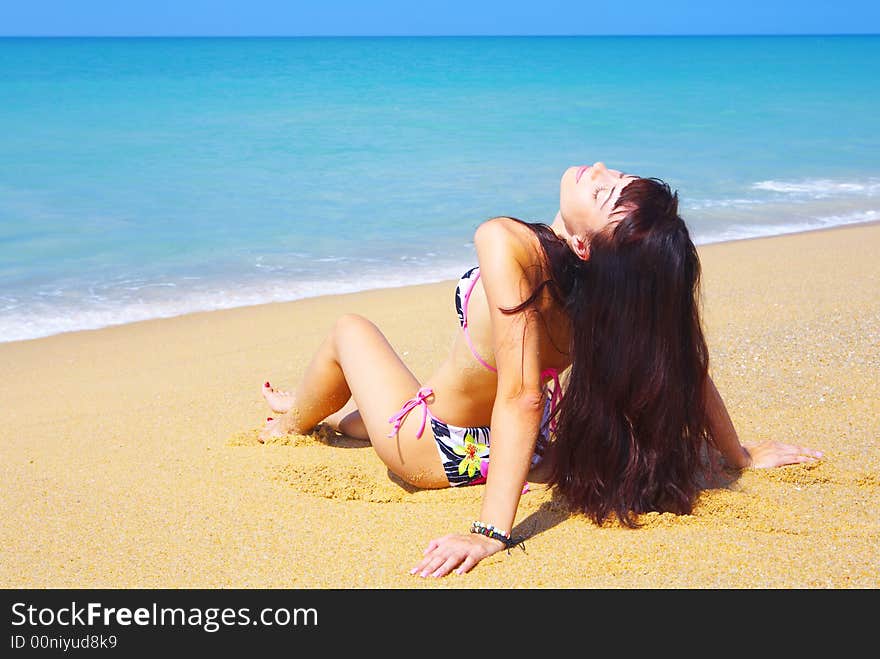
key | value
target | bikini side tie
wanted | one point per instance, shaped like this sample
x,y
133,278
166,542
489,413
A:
x,y
408,407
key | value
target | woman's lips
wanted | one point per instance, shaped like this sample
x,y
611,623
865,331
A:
x,y
580,172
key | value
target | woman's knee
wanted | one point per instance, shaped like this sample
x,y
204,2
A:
x,y
351,332
347,320
351,323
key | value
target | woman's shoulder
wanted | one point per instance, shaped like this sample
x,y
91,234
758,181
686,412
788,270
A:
x,y
508,235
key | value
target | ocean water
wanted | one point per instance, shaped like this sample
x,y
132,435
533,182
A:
x,y
144,178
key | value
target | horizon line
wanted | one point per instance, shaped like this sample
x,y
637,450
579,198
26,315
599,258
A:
x,y
429,36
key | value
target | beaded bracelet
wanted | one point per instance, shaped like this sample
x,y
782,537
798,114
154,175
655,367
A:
x,y
491,531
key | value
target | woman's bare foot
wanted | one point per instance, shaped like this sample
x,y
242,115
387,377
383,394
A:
x,y
277,427
281,425
279,401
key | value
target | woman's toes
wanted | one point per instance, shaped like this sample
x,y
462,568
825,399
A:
x,y
279,401
268,391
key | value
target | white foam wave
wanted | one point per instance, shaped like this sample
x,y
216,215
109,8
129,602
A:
x,y
794,191
33,318
700,204
55,310
742,231
821,188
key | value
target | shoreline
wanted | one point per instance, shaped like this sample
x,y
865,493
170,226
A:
x,y
849,225
392,287
129,459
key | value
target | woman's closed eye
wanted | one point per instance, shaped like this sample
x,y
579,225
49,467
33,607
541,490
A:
x,y
597,191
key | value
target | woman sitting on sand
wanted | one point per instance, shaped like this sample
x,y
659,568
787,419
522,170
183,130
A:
x,y
610,291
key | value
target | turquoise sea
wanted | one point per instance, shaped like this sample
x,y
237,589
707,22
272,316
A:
x,y
143,178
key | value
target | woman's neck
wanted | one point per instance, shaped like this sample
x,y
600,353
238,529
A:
x,y
558,226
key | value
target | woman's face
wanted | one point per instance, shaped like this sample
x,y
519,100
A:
x,y
587,195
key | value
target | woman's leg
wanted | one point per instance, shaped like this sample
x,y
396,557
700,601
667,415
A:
x,y
356,361
348,421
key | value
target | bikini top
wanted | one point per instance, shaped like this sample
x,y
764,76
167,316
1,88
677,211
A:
x,y
462,296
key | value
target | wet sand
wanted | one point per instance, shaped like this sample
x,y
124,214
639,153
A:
x,y
128,454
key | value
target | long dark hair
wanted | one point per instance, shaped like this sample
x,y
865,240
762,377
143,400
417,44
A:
x,y
632,429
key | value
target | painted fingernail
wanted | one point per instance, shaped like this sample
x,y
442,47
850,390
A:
x,y
267,384
268,418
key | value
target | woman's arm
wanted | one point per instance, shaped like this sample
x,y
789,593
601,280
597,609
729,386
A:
x,y
516,415
757,455
503,256
723,431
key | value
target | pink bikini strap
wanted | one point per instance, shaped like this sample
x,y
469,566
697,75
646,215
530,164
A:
x,y
464,325
408,407
555,394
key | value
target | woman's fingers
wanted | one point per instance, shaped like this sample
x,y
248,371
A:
x,y
434,544
424,565
447,566
799,454
420,566
444,555
776,454
433,565
466,564
803,450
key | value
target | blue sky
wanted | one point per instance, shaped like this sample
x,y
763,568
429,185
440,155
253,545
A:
x,y
433,17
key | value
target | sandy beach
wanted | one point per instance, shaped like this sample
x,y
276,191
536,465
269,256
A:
x,y
128,455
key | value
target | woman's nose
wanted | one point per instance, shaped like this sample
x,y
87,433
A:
x,y
597,169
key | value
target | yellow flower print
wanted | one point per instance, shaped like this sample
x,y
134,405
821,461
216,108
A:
x,y
472,452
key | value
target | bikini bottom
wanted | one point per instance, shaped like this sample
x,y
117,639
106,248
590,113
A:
x,y
464,450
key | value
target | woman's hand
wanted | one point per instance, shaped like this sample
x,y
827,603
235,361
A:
x,y
765,455
459,552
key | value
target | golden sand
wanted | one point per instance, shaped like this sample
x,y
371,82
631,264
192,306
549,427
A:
x,y
128,455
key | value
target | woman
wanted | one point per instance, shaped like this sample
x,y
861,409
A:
x,y
608,291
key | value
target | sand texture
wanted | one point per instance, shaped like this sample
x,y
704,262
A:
x,y
128,455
